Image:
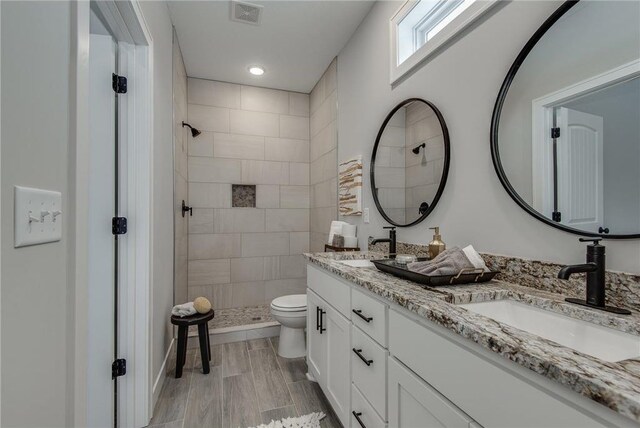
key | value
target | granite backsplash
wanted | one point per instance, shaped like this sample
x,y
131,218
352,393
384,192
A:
x,y
623,289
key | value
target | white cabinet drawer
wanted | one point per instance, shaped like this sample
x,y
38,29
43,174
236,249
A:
x,y
370,315
413,403
362,414
474,383
331,289
369,370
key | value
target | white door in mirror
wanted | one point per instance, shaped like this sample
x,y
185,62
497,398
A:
x,y
37,216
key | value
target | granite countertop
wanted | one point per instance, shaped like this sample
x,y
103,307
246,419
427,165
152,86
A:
x,y
615,385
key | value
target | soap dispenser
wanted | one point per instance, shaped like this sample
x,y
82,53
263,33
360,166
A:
x,y
436,246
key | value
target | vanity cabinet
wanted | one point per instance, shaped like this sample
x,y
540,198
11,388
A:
x,y
316,340
413,403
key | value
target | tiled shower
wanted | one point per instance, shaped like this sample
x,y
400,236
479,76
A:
x,y
247,178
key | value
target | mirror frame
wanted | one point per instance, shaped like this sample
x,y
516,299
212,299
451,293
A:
x,y
495,124
445,169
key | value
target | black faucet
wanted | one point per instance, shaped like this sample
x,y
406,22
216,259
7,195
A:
x,y
391,240
595,270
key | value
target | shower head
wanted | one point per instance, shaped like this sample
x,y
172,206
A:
x,y
194,131
416,150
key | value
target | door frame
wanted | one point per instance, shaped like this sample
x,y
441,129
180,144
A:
x,y
126,22
543,121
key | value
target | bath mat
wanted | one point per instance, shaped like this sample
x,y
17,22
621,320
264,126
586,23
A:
x,y
312,420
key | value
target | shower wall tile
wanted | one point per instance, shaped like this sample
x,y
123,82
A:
x,y
323,157
294,196
238,220
206,118
267,196
294,127
287,220
299,174
254,123
201,221
211,170
298,104
213,93
265,244
247,269
210,195
205,272
265,172
298,242
264,100
250,136
238,146
214,246
202,145
284,149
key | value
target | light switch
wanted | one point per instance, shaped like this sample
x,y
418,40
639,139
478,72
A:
x,y
37,216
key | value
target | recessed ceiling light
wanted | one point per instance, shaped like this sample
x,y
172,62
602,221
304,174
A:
x,y
256,70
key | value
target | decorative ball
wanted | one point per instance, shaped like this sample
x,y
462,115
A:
x,y
202,305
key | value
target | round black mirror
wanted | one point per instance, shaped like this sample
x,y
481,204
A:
x,y
565,139
410,162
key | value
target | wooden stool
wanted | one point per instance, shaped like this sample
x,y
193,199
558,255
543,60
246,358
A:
x,y
183,323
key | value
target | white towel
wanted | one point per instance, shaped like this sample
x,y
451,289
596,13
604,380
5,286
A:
x,y
336,228
475,258
183,310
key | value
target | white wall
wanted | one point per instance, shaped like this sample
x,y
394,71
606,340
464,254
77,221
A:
x,y
463,82
156,15
36,42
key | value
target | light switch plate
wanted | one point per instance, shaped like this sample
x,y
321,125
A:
x,y
365,216
37,216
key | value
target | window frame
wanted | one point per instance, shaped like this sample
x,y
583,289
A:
x,y
470,15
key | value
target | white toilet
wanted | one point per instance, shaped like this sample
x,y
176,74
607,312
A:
x,y
291,313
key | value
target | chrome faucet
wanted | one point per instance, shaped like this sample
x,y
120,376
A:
x,y
595,270
391,240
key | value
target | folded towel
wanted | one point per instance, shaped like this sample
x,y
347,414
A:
x,y
184,310
336,228
448,262
475,258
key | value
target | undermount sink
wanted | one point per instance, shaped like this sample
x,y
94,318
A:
x,y
358,263
600,342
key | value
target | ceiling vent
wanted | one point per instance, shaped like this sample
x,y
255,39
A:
x,y
246,13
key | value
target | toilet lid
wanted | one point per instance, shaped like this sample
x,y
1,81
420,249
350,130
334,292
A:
x,y
293,302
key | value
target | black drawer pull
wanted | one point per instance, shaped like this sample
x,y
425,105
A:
x,y
358,353
357,415
317,318
358,312
322,327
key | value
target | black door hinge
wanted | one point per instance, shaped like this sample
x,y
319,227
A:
x,y
555,132
118,368
119,84
119,225
556,216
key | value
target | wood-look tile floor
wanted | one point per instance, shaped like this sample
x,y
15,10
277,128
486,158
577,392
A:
x,y
249,384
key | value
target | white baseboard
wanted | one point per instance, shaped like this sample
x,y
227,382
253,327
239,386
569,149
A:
x,y
157,385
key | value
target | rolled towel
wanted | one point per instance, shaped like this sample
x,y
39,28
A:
x,y
336,228
475,258
448,262
184,310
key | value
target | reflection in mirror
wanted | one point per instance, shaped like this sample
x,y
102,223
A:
x,y
408,163
569,131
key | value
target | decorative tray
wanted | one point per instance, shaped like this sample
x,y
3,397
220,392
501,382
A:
x,y
465,276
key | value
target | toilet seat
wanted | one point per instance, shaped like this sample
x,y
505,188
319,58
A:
x,y
291,303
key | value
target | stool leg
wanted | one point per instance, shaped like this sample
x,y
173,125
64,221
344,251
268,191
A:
x,y
181,350
208,341
204,353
